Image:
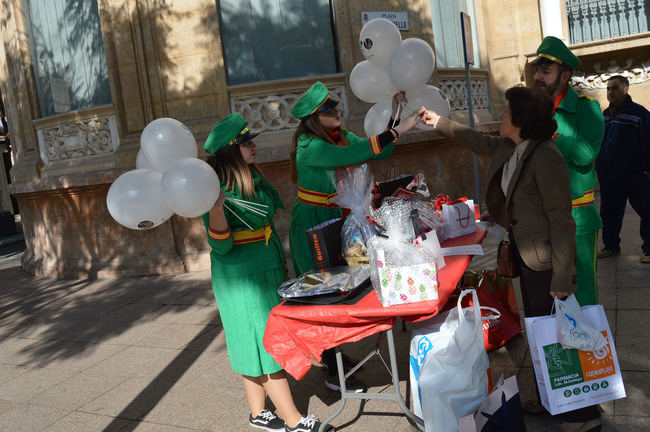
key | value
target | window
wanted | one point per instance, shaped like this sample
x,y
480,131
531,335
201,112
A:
x,y
447,33
266,40
67,53
592,20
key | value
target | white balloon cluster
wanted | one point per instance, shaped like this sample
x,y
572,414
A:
x,y
393,65
169,178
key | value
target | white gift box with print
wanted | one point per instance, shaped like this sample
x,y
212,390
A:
x,y
569,379
460,218
407,284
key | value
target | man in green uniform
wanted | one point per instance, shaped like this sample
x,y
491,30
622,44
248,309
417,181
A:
x,y
580,131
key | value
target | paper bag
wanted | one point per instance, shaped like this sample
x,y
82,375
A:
x,y
499,412
325,244
569,379
460,218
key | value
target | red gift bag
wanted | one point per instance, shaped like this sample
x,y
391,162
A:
x,y
498,331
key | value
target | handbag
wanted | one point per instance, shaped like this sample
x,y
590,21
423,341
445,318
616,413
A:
x,y
506,264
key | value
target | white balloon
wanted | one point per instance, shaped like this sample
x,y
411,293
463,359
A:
x,y
429,97
370,84
136,200
411,64
166,140
377,118
377,40
191,187
141,162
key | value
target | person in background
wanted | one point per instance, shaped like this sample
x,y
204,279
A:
x,y
529,194
579,134
320,144
248,266
623,167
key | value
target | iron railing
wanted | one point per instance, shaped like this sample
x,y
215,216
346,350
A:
x,y
592,20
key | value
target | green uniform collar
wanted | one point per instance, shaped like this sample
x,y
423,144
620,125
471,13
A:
x,y
569,102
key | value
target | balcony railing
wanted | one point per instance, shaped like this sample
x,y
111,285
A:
x,y
592,20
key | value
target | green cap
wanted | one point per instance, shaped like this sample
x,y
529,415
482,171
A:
x,y
230,130
316,99
553,50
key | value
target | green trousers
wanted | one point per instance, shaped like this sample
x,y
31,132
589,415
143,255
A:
x,y
586,267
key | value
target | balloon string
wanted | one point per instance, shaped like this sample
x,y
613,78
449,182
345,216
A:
x,y
250,203
237,216
248,207
399,107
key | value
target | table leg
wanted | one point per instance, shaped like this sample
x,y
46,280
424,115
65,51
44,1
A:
x,y
395,395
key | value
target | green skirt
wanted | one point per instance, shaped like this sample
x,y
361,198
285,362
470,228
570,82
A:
x,y
244,306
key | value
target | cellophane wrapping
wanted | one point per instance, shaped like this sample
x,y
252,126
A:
x,y
400,272
354,192
430,218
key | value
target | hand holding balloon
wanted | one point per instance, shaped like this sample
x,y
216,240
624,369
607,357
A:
x,y
430,118
399,98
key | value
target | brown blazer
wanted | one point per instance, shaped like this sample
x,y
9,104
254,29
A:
x,y
538,202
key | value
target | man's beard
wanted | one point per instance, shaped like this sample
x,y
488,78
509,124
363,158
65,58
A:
x,y
550,90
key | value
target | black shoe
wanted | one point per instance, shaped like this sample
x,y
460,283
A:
x,y
308,424
266,420
348,363
352,385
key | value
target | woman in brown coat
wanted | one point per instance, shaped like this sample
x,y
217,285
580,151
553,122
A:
x,y
528,194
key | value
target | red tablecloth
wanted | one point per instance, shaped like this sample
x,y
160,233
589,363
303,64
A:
x,y
296,333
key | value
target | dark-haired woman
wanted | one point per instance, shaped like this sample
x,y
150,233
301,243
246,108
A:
x,y
248,266
528,194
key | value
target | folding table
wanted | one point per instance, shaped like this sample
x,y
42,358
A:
x,y
295,333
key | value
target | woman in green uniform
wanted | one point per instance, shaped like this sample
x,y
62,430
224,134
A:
x,y
321,145
248,266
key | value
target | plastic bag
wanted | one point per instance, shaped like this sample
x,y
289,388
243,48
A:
x,y
400,271
452,365
354,192
574,331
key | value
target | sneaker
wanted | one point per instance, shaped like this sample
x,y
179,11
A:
x,y
266,420
645,258
352,385
308,424
606,253
587,426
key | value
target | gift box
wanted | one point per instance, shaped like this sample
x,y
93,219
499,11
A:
x,y
406,284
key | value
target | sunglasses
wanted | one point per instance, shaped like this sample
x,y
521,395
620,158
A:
x,y
330,113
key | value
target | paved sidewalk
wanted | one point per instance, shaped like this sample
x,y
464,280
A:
x,y
148,354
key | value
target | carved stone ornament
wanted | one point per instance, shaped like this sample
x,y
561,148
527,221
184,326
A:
x,y
273,112
456,91
78,139
634,74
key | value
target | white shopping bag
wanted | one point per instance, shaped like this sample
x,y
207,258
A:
x,y
460,218
569,379
449,366
500,411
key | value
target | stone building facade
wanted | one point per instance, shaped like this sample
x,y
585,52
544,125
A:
x,y
75,118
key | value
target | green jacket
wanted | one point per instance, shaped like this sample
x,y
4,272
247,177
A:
x,y
580,131
314,158
238,260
